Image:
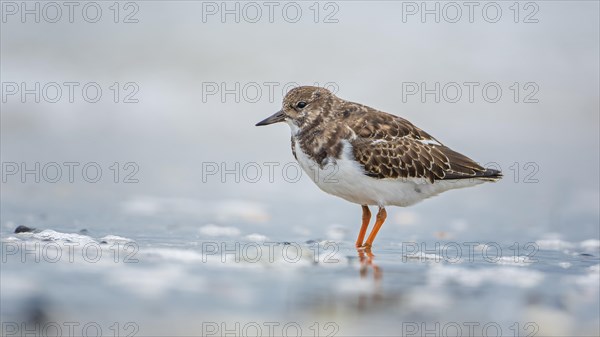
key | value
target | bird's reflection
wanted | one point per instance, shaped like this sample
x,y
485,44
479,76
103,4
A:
x,y
367,261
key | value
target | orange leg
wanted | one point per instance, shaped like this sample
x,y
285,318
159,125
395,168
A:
x,y
380,219
366,217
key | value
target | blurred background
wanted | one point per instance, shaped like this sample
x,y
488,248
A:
x,y
130,126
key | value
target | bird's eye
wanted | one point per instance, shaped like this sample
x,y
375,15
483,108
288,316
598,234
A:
x,y
301,104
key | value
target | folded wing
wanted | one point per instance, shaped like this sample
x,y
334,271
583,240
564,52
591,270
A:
x,y
388,146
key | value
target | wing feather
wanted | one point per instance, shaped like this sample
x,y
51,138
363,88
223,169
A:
x,y
389,146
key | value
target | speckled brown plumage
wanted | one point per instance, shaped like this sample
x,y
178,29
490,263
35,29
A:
x,y
379,159
387,146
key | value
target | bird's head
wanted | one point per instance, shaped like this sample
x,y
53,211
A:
x,y
301,106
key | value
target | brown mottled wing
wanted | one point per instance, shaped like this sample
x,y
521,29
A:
x,y
391,147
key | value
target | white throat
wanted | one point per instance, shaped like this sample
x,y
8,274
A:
x,y
295,129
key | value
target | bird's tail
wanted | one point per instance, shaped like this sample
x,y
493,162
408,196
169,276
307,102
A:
x,y
483,175
489,175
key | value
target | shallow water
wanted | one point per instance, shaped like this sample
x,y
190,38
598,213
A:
x,y
178,285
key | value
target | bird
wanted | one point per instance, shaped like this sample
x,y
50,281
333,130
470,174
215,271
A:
x,y
370,157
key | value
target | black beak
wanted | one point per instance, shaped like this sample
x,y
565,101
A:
x,y
275,118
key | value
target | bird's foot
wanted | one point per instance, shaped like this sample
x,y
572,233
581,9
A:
x,y
366,248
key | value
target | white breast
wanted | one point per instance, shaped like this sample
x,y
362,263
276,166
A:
x,y
345,178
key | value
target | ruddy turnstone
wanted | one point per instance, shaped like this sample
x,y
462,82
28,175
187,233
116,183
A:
x,y
370,157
